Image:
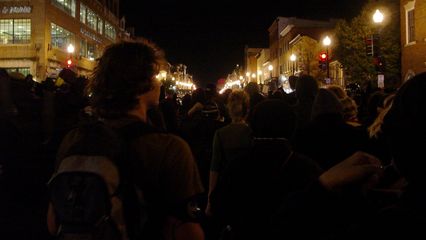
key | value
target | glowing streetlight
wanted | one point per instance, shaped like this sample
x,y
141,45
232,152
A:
x,y
70,48
378,16
270,68
293,60
327,42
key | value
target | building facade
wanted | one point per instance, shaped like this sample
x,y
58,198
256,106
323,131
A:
x,y
35,34
413,37
250,62
302,38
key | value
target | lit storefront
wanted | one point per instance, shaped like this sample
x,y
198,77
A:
x,y
35,34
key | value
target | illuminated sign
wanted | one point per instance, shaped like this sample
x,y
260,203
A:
x,y
13,10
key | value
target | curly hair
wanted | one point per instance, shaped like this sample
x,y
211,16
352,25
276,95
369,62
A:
x,y
124,71
238,102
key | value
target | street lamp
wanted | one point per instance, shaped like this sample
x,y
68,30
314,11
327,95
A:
x,y
293,60
270,68
70,50
378,18
327,41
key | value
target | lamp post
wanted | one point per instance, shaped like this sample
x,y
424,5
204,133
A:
x,y
70,50
378,18
326,42
293,60
270,68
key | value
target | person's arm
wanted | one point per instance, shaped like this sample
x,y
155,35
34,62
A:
x,y
325,198
51,220
216,162
197,107
212,185
185,183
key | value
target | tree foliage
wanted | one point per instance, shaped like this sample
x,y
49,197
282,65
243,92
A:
x,y
350,48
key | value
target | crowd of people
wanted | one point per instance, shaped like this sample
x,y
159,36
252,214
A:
x,y
310,163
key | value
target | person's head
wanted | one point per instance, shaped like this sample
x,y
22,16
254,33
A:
x,y
350,108
326,103
238,103
405,127
252,88
124,78
68,75
273,118
210,91
338,91
306,88
292,80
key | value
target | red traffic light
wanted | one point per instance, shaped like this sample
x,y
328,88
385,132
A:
x,y
323,56
69,62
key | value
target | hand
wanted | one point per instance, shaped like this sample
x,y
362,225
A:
x,y
360,167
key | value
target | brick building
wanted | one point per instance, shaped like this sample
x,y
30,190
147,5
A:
x,y
413,37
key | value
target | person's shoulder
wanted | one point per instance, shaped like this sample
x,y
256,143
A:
x,y
163,139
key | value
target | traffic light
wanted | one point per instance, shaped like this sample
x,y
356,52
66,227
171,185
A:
x,y
369,46
379,64
322,63
372,45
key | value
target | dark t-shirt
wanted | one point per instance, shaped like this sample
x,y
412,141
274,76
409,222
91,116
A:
x,y
164,166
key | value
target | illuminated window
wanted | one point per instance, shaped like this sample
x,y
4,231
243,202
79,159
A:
x,y
15,31
67,6
110,31
83,12
24,71
100,25
91,19
87,49
410,26
410,22
60,37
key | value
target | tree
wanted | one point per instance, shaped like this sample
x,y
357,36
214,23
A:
x,y
351,48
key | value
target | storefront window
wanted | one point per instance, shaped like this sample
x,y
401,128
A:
x,y
110,31
15,31
87,49
60,37
24,71
67,6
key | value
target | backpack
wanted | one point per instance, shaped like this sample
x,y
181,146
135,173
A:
x,y
92,192
211,111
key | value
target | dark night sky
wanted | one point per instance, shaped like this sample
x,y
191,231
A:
x,y
209,36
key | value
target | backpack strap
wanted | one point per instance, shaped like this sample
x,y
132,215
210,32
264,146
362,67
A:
x,y
135,210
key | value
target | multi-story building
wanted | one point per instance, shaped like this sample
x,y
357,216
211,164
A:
x,y
35,34
413,37
262,66
251,63
301,38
